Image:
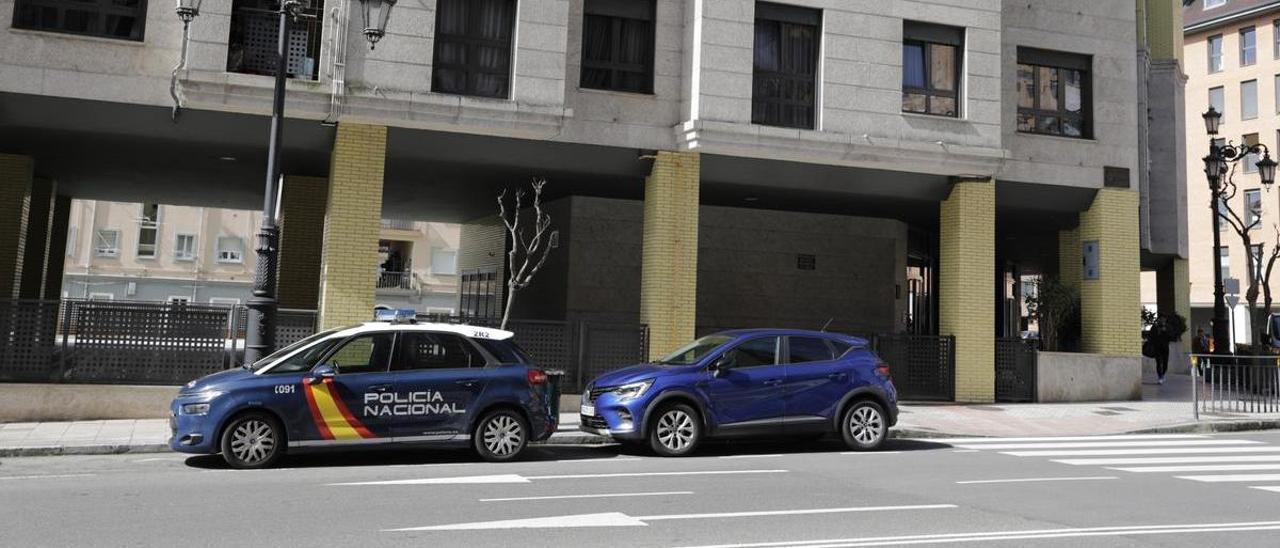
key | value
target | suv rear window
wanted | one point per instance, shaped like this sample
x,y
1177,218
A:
x,y
506,351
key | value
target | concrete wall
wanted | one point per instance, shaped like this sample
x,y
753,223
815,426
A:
x,y
21,402
1073,377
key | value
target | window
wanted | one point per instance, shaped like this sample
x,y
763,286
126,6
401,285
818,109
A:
x,y
783,89
506,350
364,354
473,47
1217,99
107,243
422,350
148,230
102,296
1053,93
304,360
1222,213
1249,100
179,299
230,249
840,347
1224,261
931,68
1253,208
762,351
1214,45
1250,160
617,45
123,19
184,247
444,262
1275,40
1248,47
1255,253
808,349
255,27
1276,88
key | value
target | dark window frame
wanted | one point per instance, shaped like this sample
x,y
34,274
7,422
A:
x,y
1208,47
472,43
617,13
100,8
1060,61
925,35
786,18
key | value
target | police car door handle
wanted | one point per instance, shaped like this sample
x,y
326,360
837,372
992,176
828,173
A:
x,y
380,387
773,382
467,382
838,376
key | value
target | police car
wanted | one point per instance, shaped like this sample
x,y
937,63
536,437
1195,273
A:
x,y
378,383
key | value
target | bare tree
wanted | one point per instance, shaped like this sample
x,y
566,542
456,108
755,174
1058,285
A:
x,y
529,245
1259,276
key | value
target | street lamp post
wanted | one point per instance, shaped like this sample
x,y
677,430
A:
x,y
260,333
1216,169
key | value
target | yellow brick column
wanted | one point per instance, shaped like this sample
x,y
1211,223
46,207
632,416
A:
x,y
1110,305
302,206
966,274
349,263
16,174
1069,258
669,274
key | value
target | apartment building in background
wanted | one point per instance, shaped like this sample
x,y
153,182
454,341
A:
x,y
870,166
1232,53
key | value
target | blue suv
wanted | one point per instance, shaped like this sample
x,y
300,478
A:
x,y
753,382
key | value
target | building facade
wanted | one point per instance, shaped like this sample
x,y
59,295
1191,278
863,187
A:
x,y
710,164
1232,51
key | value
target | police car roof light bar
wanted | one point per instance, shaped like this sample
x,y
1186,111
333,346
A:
x,y
396,316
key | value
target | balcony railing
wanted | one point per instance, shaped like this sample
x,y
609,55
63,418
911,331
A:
x,y
254,30
395,280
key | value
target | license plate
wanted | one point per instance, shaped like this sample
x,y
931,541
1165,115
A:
x,y
588,410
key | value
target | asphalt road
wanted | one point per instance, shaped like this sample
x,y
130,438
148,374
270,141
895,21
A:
x,y
1127,491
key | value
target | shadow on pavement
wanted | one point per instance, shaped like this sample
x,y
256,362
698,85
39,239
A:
x,y
403,455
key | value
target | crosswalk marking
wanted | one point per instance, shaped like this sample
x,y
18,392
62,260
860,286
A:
x,y
1122,437
1170,460
1233,478
1200,468
1104,444
1143,451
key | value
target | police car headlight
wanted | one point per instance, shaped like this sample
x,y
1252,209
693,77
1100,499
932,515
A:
x,y
633,390
195,409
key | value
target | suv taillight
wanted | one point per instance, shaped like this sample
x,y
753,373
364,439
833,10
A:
x,y
882,371
537,376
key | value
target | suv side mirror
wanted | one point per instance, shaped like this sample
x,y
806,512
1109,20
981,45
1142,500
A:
x,y
321,372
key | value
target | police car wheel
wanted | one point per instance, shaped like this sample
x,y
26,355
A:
x,y
501,436
252,440
863,426
676,431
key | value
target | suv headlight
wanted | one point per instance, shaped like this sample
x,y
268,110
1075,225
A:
x,y
633,390
195,409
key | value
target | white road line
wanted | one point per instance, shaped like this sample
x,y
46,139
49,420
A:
x,y
870,452
1065,438
1199,468
618,519
516,478
1170,460
1026,480
964,450
1102,444
49,476
600,496
154,459
1273,489
1239,478
1142,451
750,456
992,536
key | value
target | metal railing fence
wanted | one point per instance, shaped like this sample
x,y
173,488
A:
x,y
1235,384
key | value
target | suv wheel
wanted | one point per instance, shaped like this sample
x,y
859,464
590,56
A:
x,y
501,436
676,431
252,440
863,426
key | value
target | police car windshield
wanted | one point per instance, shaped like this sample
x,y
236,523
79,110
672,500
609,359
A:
x,y
694,351
288,349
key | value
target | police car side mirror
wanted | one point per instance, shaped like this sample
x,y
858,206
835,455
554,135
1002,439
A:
x,y
721,366
321,372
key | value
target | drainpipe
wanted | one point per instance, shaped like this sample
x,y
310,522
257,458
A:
x,y
182,64
337,62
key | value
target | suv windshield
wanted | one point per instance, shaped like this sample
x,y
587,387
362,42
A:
x,y
286,350
694,351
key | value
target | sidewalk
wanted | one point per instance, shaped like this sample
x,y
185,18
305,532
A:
x,y
1165,408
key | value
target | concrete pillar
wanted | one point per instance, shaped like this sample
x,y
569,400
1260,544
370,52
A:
x,y
36,251
59,223
1173,294
966,295
669,271
302,210
16,174
349,264
1110,305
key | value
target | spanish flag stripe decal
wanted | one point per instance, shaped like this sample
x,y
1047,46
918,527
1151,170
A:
x,y
330,415
346,413
315,412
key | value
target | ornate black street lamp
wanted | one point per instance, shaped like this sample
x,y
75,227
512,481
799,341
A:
x,y
260,333
1217,167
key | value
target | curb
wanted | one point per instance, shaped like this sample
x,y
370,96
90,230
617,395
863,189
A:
x,y
112,449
